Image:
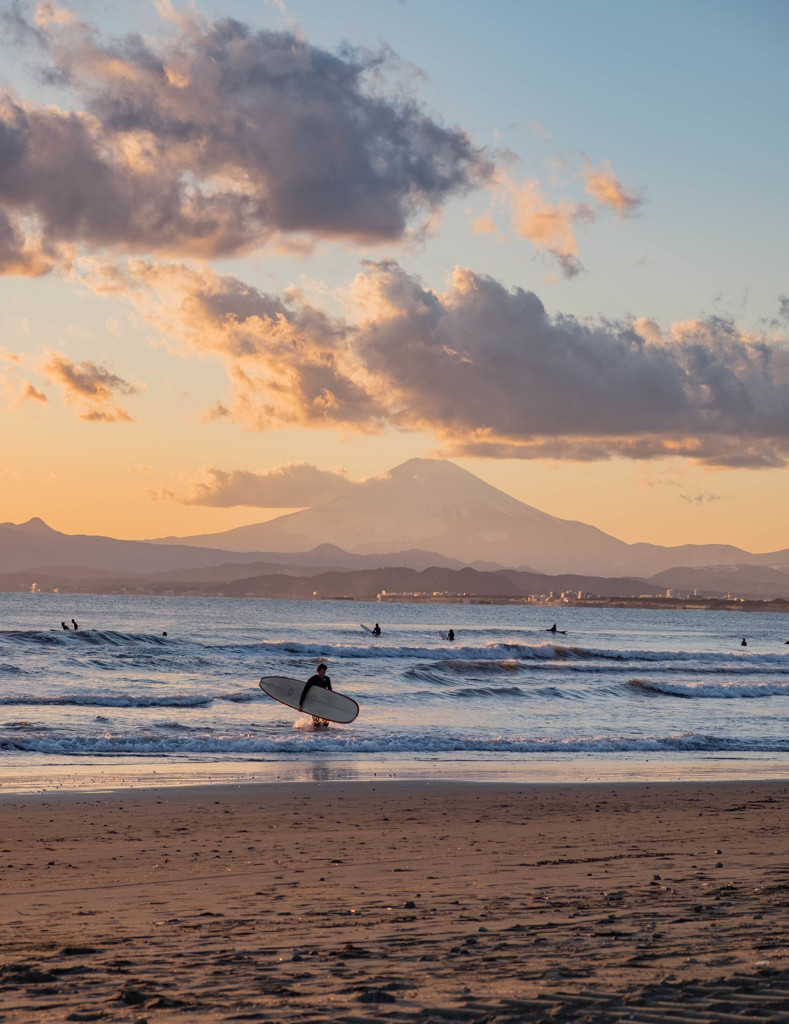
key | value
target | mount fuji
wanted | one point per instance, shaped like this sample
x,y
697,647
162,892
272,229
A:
x,y
434,505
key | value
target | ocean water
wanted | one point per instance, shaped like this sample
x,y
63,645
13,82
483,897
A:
x,y
624,693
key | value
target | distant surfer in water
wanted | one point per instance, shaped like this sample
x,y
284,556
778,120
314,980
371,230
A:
x,y
450,634
63,624
74,624
553,629
319,679
743,642
376,630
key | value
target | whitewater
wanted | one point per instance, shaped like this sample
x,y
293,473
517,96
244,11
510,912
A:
x,y
166,688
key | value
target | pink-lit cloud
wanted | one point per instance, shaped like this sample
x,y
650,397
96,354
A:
x,y
213,140
550,226
298,485
16,390
286,361
31,393
485,368
22,254
91,388
605,186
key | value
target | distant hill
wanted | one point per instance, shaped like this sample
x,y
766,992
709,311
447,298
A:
x,y
751,581
34,545
297,582
359,584
366,584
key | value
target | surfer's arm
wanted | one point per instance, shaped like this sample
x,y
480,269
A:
x,y
304,692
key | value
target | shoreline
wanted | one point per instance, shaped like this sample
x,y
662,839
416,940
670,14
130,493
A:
x,y
427,900
119,774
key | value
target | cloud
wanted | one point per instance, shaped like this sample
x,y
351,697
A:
x,y
702,498
32,394
550,227
90,387
15,390
213,140
714,452
553,386
298,485
485,368
287,362
604,186
19,254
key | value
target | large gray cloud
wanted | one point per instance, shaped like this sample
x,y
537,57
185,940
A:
x,y
214,139
486,368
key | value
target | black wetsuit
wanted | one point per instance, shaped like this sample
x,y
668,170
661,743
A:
x,y
323,681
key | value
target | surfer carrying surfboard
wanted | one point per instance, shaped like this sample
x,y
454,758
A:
x,y
315,697
319,679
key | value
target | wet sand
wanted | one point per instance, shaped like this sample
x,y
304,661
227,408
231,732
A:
x,y
397,901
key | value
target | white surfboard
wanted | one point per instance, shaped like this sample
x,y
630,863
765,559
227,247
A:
x,y
328,704
368,630
442,635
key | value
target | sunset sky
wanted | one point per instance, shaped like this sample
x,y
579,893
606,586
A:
x,y
253,253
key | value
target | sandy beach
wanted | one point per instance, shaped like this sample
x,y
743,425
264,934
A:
x,y
397,901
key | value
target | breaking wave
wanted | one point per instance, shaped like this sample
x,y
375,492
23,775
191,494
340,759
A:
x,y
170,741
720,690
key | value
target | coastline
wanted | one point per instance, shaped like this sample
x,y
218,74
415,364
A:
x,y
432,900
105,774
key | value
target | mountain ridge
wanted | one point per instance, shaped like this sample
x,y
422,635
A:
x,y
421,514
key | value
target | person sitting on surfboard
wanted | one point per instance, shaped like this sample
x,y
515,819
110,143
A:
x,y
319,679
376,630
